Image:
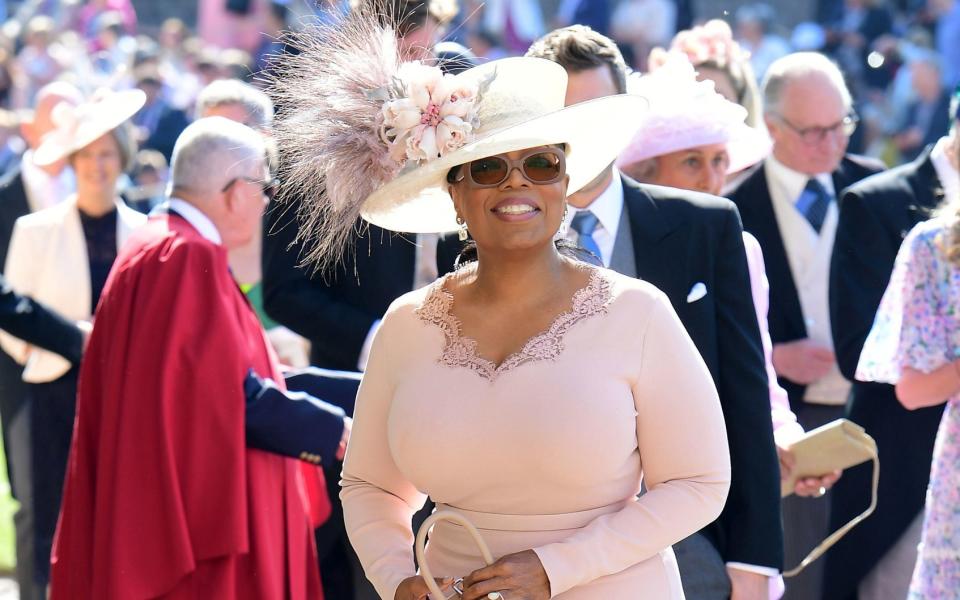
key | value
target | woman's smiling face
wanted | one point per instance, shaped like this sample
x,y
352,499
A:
x,y
519,212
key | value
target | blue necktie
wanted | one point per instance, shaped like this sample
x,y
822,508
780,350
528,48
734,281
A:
x,y
585,223
813,203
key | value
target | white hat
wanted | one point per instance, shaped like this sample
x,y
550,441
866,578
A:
x,y
367,135
685,113
78,126
523,107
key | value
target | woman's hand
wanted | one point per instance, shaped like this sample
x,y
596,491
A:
x,y
810,487
517,576
415,588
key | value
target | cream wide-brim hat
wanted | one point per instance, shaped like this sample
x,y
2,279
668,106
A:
x,y
79,126
523,107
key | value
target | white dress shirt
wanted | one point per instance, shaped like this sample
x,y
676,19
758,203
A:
x,y
608,207
196,218
42,189
808,255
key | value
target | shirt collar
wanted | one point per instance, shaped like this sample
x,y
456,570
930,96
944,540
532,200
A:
x,y
196,218
608,206
947,174
791,182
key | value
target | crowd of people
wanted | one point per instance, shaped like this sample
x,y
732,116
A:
x,y
275,291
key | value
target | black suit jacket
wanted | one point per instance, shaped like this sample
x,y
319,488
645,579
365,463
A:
x,y
682,238
35,324
335,310
752,198
875,215
13,393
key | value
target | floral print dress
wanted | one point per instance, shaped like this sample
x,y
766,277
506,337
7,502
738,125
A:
x,y
918,326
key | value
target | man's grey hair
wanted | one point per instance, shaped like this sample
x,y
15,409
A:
x,y
255,102
795,66
212,151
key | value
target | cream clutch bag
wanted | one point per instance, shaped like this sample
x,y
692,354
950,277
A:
x,y
835,446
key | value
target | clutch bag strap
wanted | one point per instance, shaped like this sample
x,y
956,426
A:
x,y
453,517
870,447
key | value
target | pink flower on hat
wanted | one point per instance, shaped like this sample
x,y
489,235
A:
x,y
432,114
711,42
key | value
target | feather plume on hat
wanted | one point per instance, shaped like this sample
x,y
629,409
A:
x,y
353,117
328,126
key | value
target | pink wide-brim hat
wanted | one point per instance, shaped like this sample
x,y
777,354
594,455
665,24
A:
x,y
78,126
685,113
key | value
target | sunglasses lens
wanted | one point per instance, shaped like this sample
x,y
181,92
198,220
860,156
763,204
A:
x,y
488,171
542,167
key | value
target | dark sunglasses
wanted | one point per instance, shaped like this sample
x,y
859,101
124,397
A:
x,y
540,167
269,188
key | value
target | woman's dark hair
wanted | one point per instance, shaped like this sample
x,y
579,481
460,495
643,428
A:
x,y
566,248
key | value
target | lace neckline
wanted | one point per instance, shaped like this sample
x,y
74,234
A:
x,y
460,351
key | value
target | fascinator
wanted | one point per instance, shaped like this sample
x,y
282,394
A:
x,y
686,113
79,126
366,135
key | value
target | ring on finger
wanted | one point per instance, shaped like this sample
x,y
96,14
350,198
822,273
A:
x,y
495,596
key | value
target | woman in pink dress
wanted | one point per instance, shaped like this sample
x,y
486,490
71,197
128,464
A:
x,y
528,391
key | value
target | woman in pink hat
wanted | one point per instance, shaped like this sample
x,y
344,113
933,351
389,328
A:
x,y
61,256
693,138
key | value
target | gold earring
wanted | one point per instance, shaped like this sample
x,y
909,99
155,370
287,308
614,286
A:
x,y
462,230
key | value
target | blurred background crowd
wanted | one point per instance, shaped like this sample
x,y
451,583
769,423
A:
x,y
901,57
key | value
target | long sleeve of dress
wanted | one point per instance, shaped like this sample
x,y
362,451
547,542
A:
x,y
378,501
686,463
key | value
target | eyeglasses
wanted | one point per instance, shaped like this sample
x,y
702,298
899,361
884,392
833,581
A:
x,y
814,135
541,167
268,188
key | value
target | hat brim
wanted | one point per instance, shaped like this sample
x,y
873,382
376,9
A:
x,y
102,117
594,131
747,146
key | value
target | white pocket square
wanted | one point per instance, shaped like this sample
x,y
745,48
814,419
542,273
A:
x,y
699,290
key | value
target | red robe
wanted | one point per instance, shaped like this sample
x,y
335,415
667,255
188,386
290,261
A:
x,y
162,497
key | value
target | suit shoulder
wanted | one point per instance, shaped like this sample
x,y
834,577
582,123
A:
x,y
47,218
9,179
688,202
864,164
637,293
155,244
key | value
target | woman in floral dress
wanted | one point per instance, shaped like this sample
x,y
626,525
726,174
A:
x,y
915,343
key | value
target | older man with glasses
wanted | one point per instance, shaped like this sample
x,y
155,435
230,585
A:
x,y
789,204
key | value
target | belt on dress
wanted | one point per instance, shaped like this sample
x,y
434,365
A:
x,y
554,522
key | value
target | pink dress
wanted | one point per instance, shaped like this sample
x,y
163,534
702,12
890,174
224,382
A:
x,y
918,326
546,451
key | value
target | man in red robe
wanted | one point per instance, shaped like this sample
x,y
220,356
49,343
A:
x,y
165,495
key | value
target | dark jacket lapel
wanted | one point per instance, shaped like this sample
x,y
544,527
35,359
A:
x,y
756,210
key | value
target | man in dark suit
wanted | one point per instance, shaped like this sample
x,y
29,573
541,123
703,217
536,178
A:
x,y
690,246
788,204
875,560
25,189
